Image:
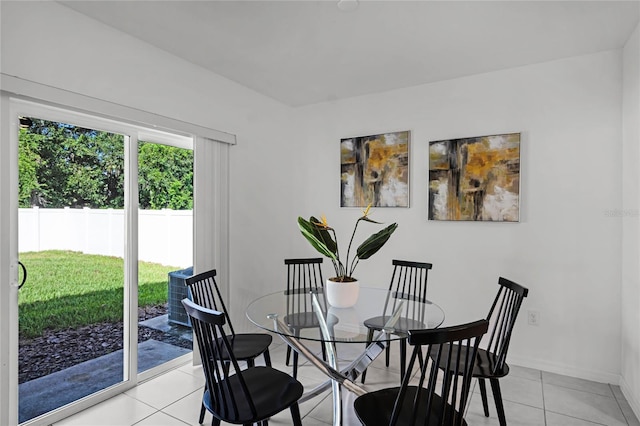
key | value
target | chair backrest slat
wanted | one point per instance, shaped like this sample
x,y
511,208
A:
x,y
205,292
450,351
409,285
303,277
208,327
502,315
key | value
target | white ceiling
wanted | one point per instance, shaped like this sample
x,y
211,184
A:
x,y
303,52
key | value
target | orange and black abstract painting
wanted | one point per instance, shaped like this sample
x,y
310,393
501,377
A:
x,y
475,179
375,170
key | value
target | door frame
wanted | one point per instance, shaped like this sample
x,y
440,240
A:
x,y
210,201
19,108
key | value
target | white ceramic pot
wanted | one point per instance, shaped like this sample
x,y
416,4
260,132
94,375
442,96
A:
x,y
342,294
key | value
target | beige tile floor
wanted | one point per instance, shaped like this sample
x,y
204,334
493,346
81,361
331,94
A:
x,y
531,397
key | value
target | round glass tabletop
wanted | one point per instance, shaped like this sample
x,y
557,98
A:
x,y
374,308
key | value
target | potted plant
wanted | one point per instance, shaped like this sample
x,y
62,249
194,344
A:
x,y
342,289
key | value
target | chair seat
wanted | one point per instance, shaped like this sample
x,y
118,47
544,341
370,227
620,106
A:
x,y
249,345
271,391
484,365
376,408
377,323
408,286
302,320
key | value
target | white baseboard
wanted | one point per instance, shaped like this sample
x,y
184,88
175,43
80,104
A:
x,y
565,370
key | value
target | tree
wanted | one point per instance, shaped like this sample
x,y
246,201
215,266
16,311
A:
x,y
29,188
165,177
62,165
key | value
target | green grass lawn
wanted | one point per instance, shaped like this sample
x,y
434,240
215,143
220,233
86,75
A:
x,y
68,289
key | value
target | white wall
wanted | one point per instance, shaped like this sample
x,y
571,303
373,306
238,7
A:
x,y
566,248
50,44
630,184
46,42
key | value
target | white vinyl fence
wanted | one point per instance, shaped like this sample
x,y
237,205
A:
x,y
165,236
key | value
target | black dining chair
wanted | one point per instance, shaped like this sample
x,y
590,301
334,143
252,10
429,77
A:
x,y
245,346
491,361
232,395
303,277
408,283
432,400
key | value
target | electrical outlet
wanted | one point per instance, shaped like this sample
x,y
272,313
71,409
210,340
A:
x,y
533,317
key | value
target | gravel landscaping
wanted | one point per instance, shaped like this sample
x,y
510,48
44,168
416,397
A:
x,y
57,350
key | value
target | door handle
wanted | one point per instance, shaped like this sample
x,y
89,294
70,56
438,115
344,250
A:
x,y
24,275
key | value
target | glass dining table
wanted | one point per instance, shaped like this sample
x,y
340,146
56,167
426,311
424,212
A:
x,y
393,311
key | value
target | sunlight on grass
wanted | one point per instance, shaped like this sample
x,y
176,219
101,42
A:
x,y
69,289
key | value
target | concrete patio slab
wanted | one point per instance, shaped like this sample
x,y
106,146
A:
x,y
47,393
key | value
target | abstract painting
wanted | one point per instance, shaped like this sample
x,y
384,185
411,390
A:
x,y
475,179
375,170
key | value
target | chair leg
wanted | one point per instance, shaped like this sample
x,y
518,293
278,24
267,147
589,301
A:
x,y
483,394
251,362
403,358
369,340
421,359
497,396
324,352
295,415
295,356
295,364
203,409
296,333
267,357
387,352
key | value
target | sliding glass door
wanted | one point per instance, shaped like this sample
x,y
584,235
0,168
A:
x,y
82,321
117,227
71,245
165,251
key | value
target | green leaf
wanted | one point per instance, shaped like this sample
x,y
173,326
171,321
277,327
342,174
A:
x,y
323,235
366,219
375,242
317,238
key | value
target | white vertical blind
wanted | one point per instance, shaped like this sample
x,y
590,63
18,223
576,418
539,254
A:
x,y
211,214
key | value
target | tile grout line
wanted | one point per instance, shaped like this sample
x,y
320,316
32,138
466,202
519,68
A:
x,y
544,405
620,400
466,410
612,396
562,414
159,411
618,403
578,418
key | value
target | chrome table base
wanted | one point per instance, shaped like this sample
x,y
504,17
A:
x,y
337,379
